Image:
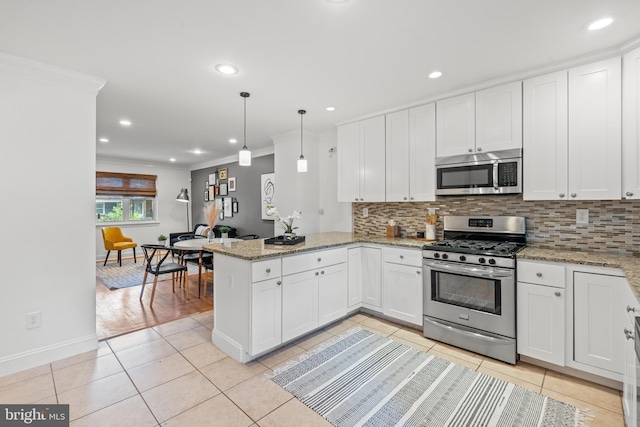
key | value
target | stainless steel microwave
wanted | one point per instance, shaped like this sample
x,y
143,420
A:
x,y
497,172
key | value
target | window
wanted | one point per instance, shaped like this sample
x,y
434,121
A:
x,y
125,198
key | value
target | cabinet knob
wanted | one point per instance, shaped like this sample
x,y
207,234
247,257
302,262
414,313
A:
x,y
561,195
404,198
316,273
539,274
631,309
319,259
628,194
558,294
279,282
478,149
411,198
629,334
362,200
322,272
356,199
418,272
471,150
573,195
268,270
401,256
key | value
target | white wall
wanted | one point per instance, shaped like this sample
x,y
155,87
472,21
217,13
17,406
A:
x,y
47,182
336,216
172,215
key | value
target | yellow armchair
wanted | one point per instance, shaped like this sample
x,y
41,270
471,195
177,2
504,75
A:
x,y
115,241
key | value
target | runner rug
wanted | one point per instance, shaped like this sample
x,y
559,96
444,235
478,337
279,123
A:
x,y
364,379
130,274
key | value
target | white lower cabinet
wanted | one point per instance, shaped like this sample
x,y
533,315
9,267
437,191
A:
x,y
354,277
629,390
332,293
402,286
266,315
371,259
599,303
299,304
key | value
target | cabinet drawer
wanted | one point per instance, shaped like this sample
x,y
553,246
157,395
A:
x,y
541,273
263,270
309,261
403,256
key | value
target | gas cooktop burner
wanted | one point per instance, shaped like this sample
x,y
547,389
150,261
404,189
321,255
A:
x,y
476,246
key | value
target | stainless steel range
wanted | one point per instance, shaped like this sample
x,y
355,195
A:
x,y
470,284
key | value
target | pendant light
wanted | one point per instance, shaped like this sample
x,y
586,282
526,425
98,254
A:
x,y
244,157
302,162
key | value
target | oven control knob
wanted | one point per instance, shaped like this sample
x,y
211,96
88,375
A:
x,y
445,256
492,261
436,255
482,260
463,258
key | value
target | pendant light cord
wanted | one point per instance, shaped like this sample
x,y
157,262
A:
x,y
302,113
244,147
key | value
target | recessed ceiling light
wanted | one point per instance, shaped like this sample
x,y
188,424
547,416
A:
x,y
435,75
172,159
330,108
103,140
233,140
600,23
125,122
197,151
227,69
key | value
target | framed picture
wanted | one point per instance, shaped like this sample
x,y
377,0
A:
x,y
267,188
232,183
223,189
212,192
221,214
206,185
206,195
228,211
213,178
219,204
234,205
222,174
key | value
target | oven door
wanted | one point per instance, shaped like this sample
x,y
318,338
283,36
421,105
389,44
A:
x,y
475,297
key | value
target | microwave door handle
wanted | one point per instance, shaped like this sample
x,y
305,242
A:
x,y
445,267
495,176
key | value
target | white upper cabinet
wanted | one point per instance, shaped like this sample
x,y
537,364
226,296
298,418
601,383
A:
x,y
499,118
595,131
545,138
456,126
411,148
361,161
631,125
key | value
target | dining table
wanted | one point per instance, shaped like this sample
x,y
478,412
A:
x,y
197,245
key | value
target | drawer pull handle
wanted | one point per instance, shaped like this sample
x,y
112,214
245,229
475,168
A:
x,y
539,274
631,309
558,294
268,270
279,282
629,334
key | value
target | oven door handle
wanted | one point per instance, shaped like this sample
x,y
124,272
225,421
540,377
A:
x,y
483,271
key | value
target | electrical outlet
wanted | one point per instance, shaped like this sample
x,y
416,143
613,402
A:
x,y
582,216
33,320
365,212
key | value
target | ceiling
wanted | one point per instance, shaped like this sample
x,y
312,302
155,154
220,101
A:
x,y
359,56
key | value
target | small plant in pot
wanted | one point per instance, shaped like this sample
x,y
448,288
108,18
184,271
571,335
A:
x,y
224,231
162,239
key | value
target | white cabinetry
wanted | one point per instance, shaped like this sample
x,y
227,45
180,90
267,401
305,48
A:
x,y
402,285
361,161
541,311
365,277
410,147
572,131
599,311
484,121
266,315
595,131
354,277
631,124
629,390
299,304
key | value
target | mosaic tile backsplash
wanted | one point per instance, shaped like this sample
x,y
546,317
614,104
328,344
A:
x,y
614,226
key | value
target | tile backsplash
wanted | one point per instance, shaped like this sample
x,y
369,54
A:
x,y
614,226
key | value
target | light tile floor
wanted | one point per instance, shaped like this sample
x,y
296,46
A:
x,y
171,375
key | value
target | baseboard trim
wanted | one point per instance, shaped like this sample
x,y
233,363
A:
x,y
47,354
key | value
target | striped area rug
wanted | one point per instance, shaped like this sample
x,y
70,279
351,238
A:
x,y
364,379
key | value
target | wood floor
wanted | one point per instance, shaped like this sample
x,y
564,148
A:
x,y
120,311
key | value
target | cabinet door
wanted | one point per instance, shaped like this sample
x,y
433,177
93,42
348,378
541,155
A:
x,y
397,147
541,322
456,128
354,267
595,131
499,118
372,159
402,286
599,315
349,162
332,293
372,277
545,139
422,153
266,315
631,125
299,304
629,390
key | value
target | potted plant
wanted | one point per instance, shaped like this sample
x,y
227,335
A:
x,y
224,231
162,240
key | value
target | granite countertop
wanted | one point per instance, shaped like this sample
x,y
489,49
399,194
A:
x,y
629,264
256,249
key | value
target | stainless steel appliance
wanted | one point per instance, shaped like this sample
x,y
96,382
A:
x,y
636,344
498,172
469,281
